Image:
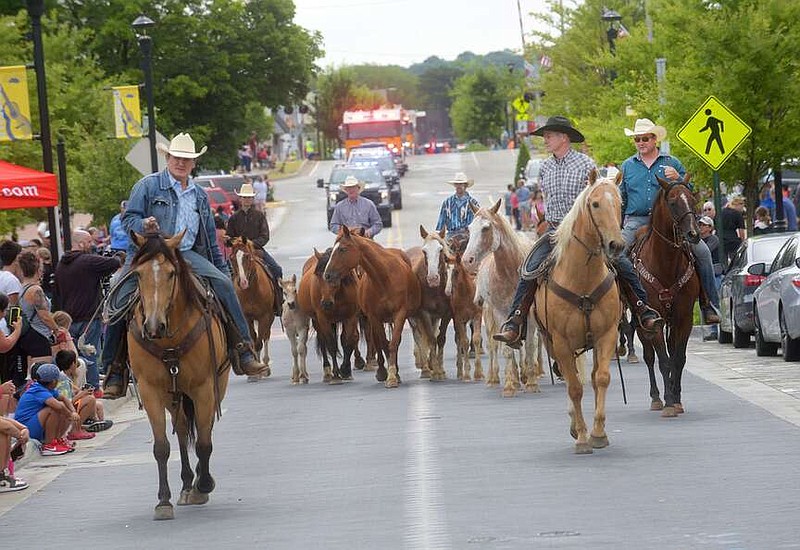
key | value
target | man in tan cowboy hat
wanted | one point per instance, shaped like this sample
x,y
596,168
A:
x,y
639,189
562,177
355,211
250,223
169,202
455,214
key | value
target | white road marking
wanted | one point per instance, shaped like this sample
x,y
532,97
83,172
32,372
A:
x,y
475,160
313,170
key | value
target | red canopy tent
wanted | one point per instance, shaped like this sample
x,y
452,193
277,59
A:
x,y
22,187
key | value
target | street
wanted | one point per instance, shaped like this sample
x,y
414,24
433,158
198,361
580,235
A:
x,y
440,464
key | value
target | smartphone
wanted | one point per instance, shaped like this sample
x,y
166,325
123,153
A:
x,y
88,387
14,313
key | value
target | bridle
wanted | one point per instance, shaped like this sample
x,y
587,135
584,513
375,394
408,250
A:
x,y
174,263
601,249
677,236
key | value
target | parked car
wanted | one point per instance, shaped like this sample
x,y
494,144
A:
x,y
531,174
375,189
230,183
738,285
776,303
218,197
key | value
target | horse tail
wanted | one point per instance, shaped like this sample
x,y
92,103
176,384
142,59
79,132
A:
x,y
188,411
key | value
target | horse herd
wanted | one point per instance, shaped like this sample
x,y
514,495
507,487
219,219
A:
x,y
358,287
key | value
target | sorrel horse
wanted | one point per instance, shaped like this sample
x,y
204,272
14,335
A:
x,y
663,259
256,295
328,305
295,325
495,252
388,292
178,353
578,305
460,289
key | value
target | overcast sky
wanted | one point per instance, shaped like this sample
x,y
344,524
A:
x,y
403,32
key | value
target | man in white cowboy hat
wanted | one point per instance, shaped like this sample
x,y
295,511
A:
x,y
455,215
250,223
562,177
639,189
169,202
355,211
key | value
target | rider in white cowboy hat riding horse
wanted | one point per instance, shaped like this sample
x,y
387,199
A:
x,y
455,214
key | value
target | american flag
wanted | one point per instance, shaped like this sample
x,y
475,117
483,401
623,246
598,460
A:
x,y
545,61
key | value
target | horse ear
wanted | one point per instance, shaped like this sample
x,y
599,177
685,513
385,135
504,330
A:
x,y
473,208
618,178
442,232
663,183
686,178
175,240
294,278
344,231
244,239
317,255
422,232
496,206
592,176
138,239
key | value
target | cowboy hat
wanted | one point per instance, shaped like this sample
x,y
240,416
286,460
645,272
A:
x,y
181,146
562,125
246,190
645,126
351,181
461,177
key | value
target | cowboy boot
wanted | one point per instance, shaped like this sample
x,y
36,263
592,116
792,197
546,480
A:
x,y
649,319
708,312
244,362
115,384
278,297
513,330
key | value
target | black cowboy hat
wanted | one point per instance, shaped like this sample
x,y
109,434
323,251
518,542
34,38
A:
x,y
560,124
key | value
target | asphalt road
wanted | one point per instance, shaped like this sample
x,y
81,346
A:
x,y
441,465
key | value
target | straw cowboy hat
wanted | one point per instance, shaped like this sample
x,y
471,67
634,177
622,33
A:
x,y
461,177
246,190
181,146
644,126
351,181
560,124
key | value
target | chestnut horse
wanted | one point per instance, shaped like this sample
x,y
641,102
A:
x,y
256,295
178,353
329,305
663,259
578,305
460,290
388,292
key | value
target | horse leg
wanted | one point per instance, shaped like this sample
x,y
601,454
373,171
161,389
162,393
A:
x,y
187,474
462,351
678,359
153,400
291,335
477,344
333,350
511,373
531,361
630,335
264,333
649,354
377,338
601,377
349,344
441,340
421,353
371,363
302,350
494,348
398,322
204,411
665,365
577,425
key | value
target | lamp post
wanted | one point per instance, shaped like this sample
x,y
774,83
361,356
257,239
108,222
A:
x,y
140,26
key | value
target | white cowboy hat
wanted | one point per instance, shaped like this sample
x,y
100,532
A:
x,y
645,126
351,181
181,146
246,190
461,177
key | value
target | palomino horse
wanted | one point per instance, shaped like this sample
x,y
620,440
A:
x,y
665,264
460,289
578,304
295,325
495,253
328,305
256,294
178,353
388,292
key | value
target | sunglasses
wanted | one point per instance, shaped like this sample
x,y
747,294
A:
x,y
643,139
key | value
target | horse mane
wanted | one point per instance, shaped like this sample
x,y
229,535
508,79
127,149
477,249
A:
x,y
323,261
507,233
566,229
153,246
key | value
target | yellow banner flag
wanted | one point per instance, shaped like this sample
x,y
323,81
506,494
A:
x,y
14,106
127,113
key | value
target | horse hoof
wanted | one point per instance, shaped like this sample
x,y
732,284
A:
x,y
164,511
327,378
183,499
381,374
195,497
492,383
304,381
678,408
531,388
389,384
622,350
334,381
252,379
424,373
479,378
573,432
656,405
466,378
669,412
509,392
633,358
472,354
267,373
360,364
295,382
598,442
583,449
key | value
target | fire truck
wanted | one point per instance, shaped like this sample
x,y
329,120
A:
x,y
393,126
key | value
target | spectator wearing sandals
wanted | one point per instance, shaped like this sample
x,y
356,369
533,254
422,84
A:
x,y
13,438
46,417
88,408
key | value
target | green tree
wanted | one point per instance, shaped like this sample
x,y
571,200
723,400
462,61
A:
x,y
339,92
523,157
479,102
401,85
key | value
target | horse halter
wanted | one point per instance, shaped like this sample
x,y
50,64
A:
x,y
167,311
251,272
600,250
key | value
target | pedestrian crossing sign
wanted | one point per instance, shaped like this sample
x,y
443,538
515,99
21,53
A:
x,y
714,132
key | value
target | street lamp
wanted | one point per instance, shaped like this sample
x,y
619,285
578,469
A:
x,y
140,26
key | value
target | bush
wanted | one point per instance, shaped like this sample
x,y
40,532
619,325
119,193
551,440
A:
x,y
522,161
472,147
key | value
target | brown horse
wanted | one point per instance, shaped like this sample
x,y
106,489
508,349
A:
x,y
256,295
388,292
578,305
665,264
178,353
460,289
329,305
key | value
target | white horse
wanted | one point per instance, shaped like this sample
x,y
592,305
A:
x,y
495,252
295,325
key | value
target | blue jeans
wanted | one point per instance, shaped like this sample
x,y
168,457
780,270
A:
x,y
220,282
92,337
272,265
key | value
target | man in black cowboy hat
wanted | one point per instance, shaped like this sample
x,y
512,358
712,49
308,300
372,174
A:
x,y
562,177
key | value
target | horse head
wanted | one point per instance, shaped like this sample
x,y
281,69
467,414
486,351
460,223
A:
x,y
483,236
289,287
604,205
160,270
434,249
242,251
680,207
327,290
452,261
345,256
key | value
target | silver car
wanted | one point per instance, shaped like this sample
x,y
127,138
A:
x,y
776,303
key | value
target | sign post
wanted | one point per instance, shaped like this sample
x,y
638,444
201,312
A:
x,y
713,133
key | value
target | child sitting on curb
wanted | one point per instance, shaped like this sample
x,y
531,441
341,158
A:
x,y
89,409
46,417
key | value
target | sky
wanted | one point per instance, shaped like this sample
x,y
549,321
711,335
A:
x,y
403,32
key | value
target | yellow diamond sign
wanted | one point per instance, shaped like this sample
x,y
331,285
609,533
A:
x,y
714,132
